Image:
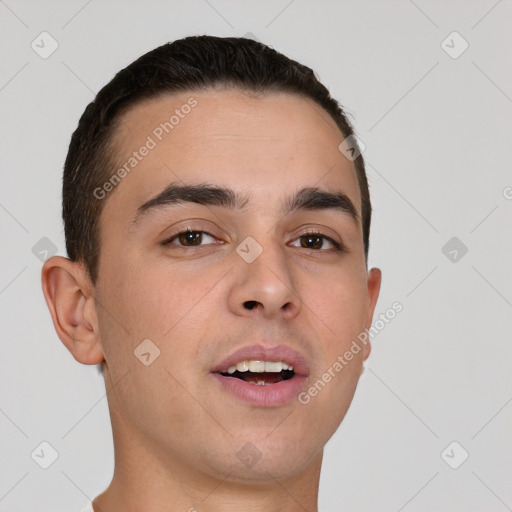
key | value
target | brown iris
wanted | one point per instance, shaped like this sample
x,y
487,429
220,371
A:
x,y
309,238
190,237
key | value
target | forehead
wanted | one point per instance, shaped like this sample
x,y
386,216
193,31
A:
x,y
257,144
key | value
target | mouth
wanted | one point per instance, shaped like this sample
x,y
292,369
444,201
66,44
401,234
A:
x,y
260,378
265,377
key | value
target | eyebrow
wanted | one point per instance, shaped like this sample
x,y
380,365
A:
x,y
307,198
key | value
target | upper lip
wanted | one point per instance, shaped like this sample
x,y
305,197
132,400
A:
x,y
261,353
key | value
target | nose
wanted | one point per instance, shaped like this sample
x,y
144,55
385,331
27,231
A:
x,y
265,288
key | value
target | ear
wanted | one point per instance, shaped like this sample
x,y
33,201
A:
x,y
68,292
374,282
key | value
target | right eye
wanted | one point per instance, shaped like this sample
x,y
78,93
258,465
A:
x,y
189,238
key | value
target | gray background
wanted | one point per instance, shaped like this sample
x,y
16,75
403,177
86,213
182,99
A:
x,y
437,135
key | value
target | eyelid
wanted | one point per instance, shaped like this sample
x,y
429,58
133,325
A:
x,y
339,246
336,241
185,229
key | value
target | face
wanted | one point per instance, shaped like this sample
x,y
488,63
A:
x,y
198,296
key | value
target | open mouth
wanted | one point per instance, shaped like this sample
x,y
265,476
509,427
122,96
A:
x,y
261,378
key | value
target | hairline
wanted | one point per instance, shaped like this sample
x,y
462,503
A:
x,y
108,152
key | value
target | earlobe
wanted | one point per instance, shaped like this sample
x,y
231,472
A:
x,y
69,296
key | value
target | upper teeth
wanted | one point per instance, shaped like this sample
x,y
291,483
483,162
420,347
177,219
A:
x,y
259,366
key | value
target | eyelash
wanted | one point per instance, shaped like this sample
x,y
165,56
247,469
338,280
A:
x,y
338,247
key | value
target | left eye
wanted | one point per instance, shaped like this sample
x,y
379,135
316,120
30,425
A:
x,y
189,238
315,241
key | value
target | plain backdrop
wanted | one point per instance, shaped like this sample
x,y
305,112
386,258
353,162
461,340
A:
x,y
428,85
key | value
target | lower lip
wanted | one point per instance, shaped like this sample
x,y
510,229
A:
x,y
268,395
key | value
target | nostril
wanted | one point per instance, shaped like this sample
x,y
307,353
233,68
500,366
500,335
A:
x,y
251,304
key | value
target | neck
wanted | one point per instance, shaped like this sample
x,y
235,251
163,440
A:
x,y
146,478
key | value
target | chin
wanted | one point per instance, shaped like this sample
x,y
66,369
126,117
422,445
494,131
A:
x,y
268,469
273,456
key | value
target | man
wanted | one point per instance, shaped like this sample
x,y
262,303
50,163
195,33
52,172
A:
x,y
217,221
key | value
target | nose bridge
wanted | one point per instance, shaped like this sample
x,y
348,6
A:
x,y
272,267
265,278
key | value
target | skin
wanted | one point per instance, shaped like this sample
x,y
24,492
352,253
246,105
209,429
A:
x,y
176,431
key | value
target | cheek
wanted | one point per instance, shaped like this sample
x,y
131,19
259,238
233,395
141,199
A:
x,y
172,309
150,297
172,312
340,301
